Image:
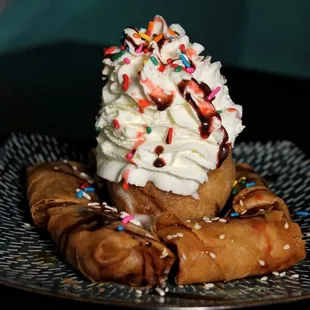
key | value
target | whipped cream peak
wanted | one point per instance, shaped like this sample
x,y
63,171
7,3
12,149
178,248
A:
x,y
166,115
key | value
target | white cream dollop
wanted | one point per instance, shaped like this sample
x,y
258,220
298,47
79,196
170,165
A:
x,y
157,122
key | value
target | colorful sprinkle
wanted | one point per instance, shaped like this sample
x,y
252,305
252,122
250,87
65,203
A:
x,y
185,61
85,195
234,214
145,37
169,60
169,136
139,49
219,111
148,130
154,61
125,82
129,155
158,38
79,194
250,184
127,218
136,35
190,70
178,69
84,185
171,32
127,61
125,186
118,55
214,92
120,228
182,48
302,213
89,189
116,124
234,191
243,181
109,50
150,28
235,183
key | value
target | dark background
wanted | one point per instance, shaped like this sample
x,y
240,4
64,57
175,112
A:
x,y
50,69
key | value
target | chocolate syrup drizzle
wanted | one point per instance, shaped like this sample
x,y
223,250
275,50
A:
x,y
93,219
206,119
162,102
159,162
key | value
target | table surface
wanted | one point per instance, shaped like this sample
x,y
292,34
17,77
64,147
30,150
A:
x,y
56,90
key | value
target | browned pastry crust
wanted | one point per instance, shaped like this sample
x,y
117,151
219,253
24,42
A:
x,y
53,184
89,240
150,200
256,198
241,247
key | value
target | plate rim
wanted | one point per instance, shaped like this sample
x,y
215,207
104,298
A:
x,y
214,305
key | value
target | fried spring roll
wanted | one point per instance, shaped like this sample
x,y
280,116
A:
x,y
58,183
103,248
252,195
238,248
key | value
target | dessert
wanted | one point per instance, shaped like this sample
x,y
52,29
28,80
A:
x,y
167,125
107,245
256,236
99,242
182,209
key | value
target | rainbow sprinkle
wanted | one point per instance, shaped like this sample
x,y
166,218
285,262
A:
x,y
185,61
120,228
127,218
118,55
139,49
214,92
125,82
127,61
169,136
234,214
116,124
148,130
249,184
178,69
154,61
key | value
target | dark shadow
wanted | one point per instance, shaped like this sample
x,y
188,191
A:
x,y
53,90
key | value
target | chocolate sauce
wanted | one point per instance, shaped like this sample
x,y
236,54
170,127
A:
x,y
161,43
159,150
131,40
162,102
182,86
205,120
159,162
224,149
94,219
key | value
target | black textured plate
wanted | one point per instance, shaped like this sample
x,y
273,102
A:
x,y
29,260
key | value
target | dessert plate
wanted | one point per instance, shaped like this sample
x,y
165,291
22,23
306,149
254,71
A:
x,y
29,258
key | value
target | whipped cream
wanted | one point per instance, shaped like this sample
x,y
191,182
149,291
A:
x,y
166,114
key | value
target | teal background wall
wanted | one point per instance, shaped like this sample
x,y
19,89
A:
x,y
267,35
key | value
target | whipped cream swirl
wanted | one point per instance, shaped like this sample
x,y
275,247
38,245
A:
x,y
166,115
